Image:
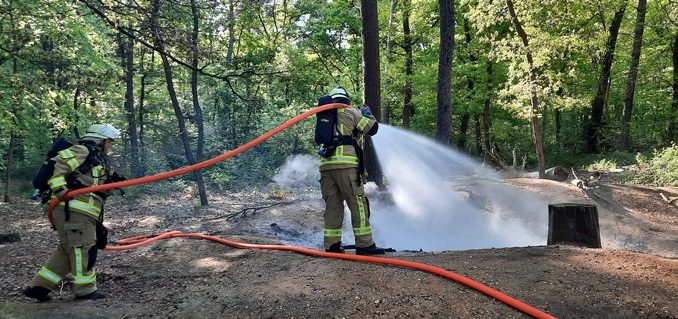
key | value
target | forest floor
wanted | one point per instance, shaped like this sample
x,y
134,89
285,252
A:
x,y
634,275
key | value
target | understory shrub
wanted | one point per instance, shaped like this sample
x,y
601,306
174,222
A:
x,y
662,169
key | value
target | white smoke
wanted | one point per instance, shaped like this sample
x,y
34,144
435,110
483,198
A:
x,y
299,171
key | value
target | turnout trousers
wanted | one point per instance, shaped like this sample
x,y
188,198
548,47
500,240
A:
x,y
339,186
75,254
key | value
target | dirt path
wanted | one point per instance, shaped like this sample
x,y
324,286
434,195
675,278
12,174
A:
x,y
182,278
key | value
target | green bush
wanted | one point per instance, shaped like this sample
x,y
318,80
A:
x,y
662,170
642,160
602,165
592,162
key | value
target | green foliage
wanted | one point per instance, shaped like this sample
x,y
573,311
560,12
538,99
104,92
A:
x,y
61,68
662,170
602,165
595,162
277,193
642,160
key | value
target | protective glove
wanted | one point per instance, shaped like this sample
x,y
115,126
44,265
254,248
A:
x,y
115,177
366,111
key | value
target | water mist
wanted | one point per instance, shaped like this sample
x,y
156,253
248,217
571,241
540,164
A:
x,y
441,199
436,198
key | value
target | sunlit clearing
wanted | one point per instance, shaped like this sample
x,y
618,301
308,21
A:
x,y
212,264
149,221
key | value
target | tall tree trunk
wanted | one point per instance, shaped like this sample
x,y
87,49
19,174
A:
x,y
170,89
12,136
544,120
673,125
50,65
408,108
463,130
558,124
486,112
534,110
8,169
386,108
625,139
371,68
142,124
231,32
595,122
196,103
478,136
444,96
129,107
76,105
470,84
372,93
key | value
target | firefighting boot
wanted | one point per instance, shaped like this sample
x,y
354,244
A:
x,y
335,248
38,292
91,296
370,250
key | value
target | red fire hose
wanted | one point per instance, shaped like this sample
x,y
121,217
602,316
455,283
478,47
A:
x,y
137,241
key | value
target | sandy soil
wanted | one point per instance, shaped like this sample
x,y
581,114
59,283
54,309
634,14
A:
x,y
635,275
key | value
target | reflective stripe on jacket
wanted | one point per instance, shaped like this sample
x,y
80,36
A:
x,y
65,163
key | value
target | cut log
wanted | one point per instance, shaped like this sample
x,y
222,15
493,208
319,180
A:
x,y
9,238
573,224
556,173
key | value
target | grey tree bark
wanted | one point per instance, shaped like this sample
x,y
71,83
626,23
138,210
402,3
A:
x,y
470,84
231,31
386,107
478,136
9,167
128,57
408,107
12,141
196,102
673,125
534,102
371,67
371,78
159,43
444,91
625,139
141,118
486,113
600,100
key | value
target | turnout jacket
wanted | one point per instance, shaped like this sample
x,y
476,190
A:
x,y
65,164
350,122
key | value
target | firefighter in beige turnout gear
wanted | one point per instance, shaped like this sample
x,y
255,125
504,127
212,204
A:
x,y
76,224
341,180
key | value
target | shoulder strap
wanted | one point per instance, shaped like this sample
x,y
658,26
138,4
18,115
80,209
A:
x,y
89,162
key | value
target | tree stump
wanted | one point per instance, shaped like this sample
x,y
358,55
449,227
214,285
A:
x,y
574,224
9,238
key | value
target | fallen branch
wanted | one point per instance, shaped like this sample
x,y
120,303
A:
x,y
556,173
584,185
246,211
669,200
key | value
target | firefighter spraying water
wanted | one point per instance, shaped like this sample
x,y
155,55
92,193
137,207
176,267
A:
x,y
340,134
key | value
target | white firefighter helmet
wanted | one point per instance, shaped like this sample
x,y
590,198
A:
x,y
103,131
339,92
